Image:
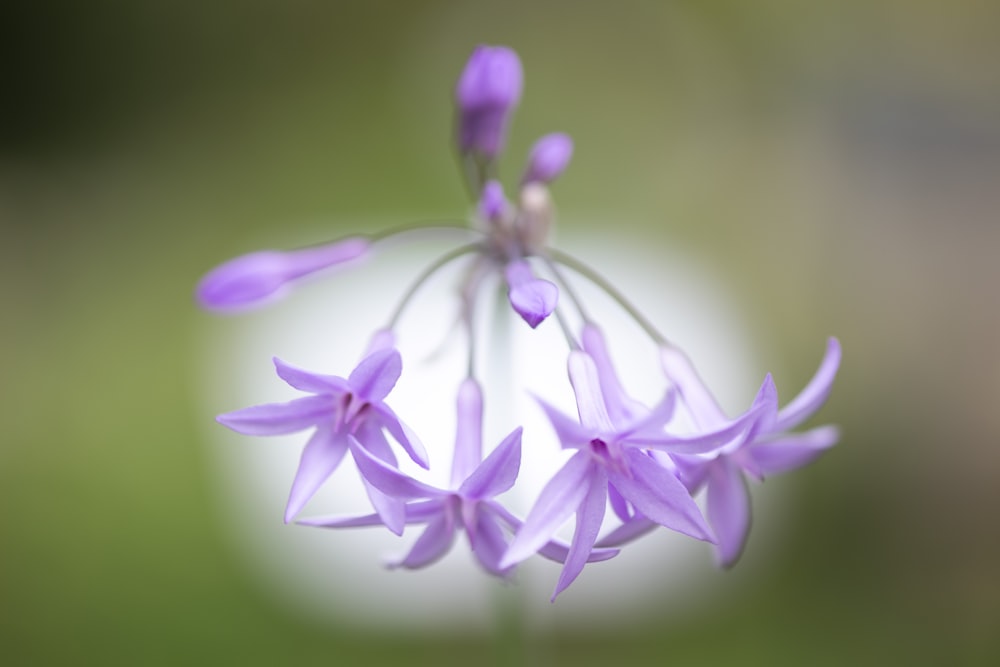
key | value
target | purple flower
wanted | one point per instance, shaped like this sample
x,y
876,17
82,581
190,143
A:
x,y
612,458
487,92
548,159
343,412
468,504
534,299
255,279
764,449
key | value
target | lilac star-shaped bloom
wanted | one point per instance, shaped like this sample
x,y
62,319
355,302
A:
x,y
469,503
612,458
764,449
347,414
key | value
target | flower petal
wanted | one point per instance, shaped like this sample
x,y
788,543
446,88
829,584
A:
x,y
468,432
654,491
431,546
589,398
554,550
314,383
816,392
416,512
498,472
557,501
320,457
488,543
618,504
621,407
792,451
589,518
389,480
704,408
728,510
390,509
629,531
279,418
569,432
402,434
376,375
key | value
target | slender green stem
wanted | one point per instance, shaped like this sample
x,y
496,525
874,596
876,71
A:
x,y
599,281
433,268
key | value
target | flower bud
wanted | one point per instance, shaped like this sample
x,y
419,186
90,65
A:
x,y
254,279
548,159
487,92
532,298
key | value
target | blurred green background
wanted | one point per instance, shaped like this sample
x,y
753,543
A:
x,y
837,162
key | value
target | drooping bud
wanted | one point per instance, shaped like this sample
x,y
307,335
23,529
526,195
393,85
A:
x,y
487,92
532,298
549,158
259,277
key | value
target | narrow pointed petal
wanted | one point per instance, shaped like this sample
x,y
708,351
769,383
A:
x,y
382,339
704,408
498,472
691,470
391,509
618,504
629,531
313,383
589,518
402,433
728,510
587,387
556,503
569,432
653,421
532,298
320,457
654,491
554,550
468,432
370,436
765,404
816,392
389,480
416,512
431,546
279,418
376,375
792,451
621,407
697,443
488,544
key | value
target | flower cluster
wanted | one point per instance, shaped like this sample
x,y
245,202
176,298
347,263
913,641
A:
x,y
647,463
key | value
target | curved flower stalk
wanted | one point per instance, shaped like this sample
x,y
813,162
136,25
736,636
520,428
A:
x,y
343,412
644,462
470,503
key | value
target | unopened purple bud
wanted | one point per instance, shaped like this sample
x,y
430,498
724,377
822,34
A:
x,y
487,91
549,157
532,298
254,279
492,202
